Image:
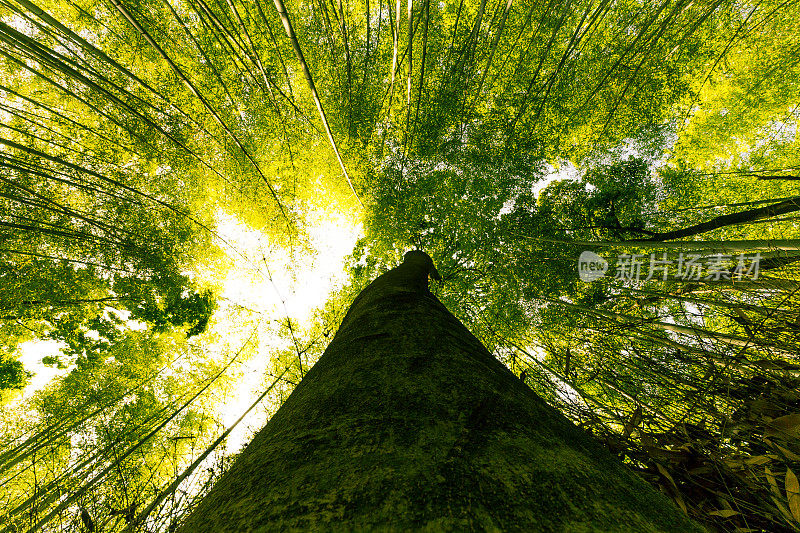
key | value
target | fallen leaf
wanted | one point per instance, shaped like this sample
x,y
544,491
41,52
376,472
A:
x,y
788,425
793,493
758,460
724,513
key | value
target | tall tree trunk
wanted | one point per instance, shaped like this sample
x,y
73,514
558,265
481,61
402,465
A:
x,y
408,423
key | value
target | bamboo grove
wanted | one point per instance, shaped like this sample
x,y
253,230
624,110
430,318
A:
x,y
502,137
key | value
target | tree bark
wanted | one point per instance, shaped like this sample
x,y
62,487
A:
x,y
407,423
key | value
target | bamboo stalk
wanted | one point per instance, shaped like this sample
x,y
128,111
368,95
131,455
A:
x,y
281,8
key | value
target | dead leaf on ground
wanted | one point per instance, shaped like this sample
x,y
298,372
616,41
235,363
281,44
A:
x,y
783,426
793,493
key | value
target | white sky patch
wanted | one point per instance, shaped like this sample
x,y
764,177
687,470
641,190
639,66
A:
x,y
31,354
568,171
20,24
301,282
508,207
248,282
693,313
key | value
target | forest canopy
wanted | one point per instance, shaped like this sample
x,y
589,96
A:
x,y
193,191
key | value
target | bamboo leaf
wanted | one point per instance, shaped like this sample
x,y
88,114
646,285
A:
x,y
724,513
788,453
676,493
773,483
782,508
633,421
758,460
793,494
784,426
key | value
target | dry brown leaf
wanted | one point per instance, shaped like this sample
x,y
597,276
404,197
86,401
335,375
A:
x,y
788,425
793,493
724,513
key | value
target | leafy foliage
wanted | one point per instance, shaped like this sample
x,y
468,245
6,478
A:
x,y
12,374
131,129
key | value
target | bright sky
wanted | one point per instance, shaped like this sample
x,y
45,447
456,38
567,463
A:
x,y
248,284
567,171
332,238
31,354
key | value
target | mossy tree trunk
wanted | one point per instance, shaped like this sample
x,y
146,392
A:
x,y
407,423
